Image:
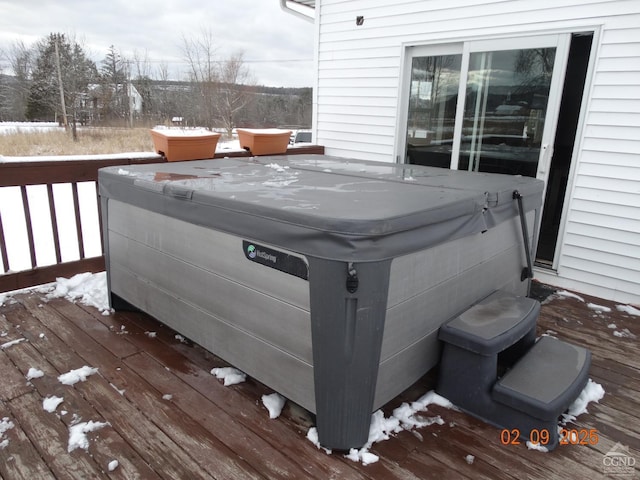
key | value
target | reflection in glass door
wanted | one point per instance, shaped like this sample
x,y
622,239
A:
x,y
433,100
505,109
486,105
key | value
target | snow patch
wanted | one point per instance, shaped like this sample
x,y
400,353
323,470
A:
x,y
119,390
78,375
629,310
113,464
592,392
405,417
565,294
88,288
274,403
598,308
78,434
278,168
50,404
34,373
536,446
230,375
312,436
5,425
12,343
624,333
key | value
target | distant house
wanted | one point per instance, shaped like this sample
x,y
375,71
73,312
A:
x,y
545,89
101,100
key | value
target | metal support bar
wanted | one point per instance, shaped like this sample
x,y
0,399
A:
x,y
528,271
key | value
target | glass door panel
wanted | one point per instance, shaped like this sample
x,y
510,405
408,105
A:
x,y
433,99
505,108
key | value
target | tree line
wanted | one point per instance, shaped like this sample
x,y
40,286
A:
x,y
55,80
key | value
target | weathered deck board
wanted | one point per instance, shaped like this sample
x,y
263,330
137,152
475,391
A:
x,y
206,430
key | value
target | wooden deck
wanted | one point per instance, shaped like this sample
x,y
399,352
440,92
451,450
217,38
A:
x,y
205,430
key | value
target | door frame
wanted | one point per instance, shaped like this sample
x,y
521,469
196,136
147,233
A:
x,y
465,46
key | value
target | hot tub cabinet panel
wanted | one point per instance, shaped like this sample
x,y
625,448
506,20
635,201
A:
x,y
326,279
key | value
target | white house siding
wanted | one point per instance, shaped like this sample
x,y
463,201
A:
x,y
358,88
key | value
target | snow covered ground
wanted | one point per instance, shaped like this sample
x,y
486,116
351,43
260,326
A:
x,y
7,128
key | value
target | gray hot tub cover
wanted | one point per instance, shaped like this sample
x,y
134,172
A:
x,y
327,207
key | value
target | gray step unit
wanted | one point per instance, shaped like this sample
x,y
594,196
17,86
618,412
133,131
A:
x,y
543,378
425,243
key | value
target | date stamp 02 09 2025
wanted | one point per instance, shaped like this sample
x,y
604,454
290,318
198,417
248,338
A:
x,y
541,437
617,462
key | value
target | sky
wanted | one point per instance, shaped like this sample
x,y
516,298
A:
x,y
277,46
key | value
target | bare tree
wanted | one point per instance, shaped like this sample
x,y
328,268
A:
x,y
235,90
200,54
142,80
20,58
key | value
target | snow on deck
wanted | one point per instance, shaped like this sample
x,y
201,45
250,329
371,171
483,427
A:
x,y
90,391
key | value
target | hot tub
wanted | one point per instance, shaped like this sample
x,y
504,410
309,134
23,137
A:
x,y
324,278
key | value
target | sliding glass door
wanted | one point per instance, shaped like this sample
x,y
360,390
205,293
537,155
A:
x,y
487,106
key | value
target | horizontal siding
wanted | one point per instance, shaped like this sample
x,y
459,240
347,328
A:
x,y
595,233
619,78
357,128
611,158
361,115
611,264
601,245
607,221
610,247
620,106
617,92
616,208
367,71
593,280
358,85
619,132
616,119
618,204
604,145
617,172
619,64
365,114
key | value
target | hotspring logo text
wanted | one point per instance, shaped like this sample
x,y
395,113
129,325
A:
x,y
254,252
618,462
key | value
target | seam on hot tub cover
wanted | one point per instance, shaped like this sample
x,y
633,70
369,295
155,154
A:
x,y
368,212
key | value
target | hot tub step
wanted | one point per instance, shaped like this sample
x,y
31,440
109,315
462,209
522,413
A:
x,y
546,380
475,341
493,324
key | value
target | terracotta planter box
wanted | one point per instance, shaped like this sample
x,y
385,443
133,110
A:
x,y
266,141
177,145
